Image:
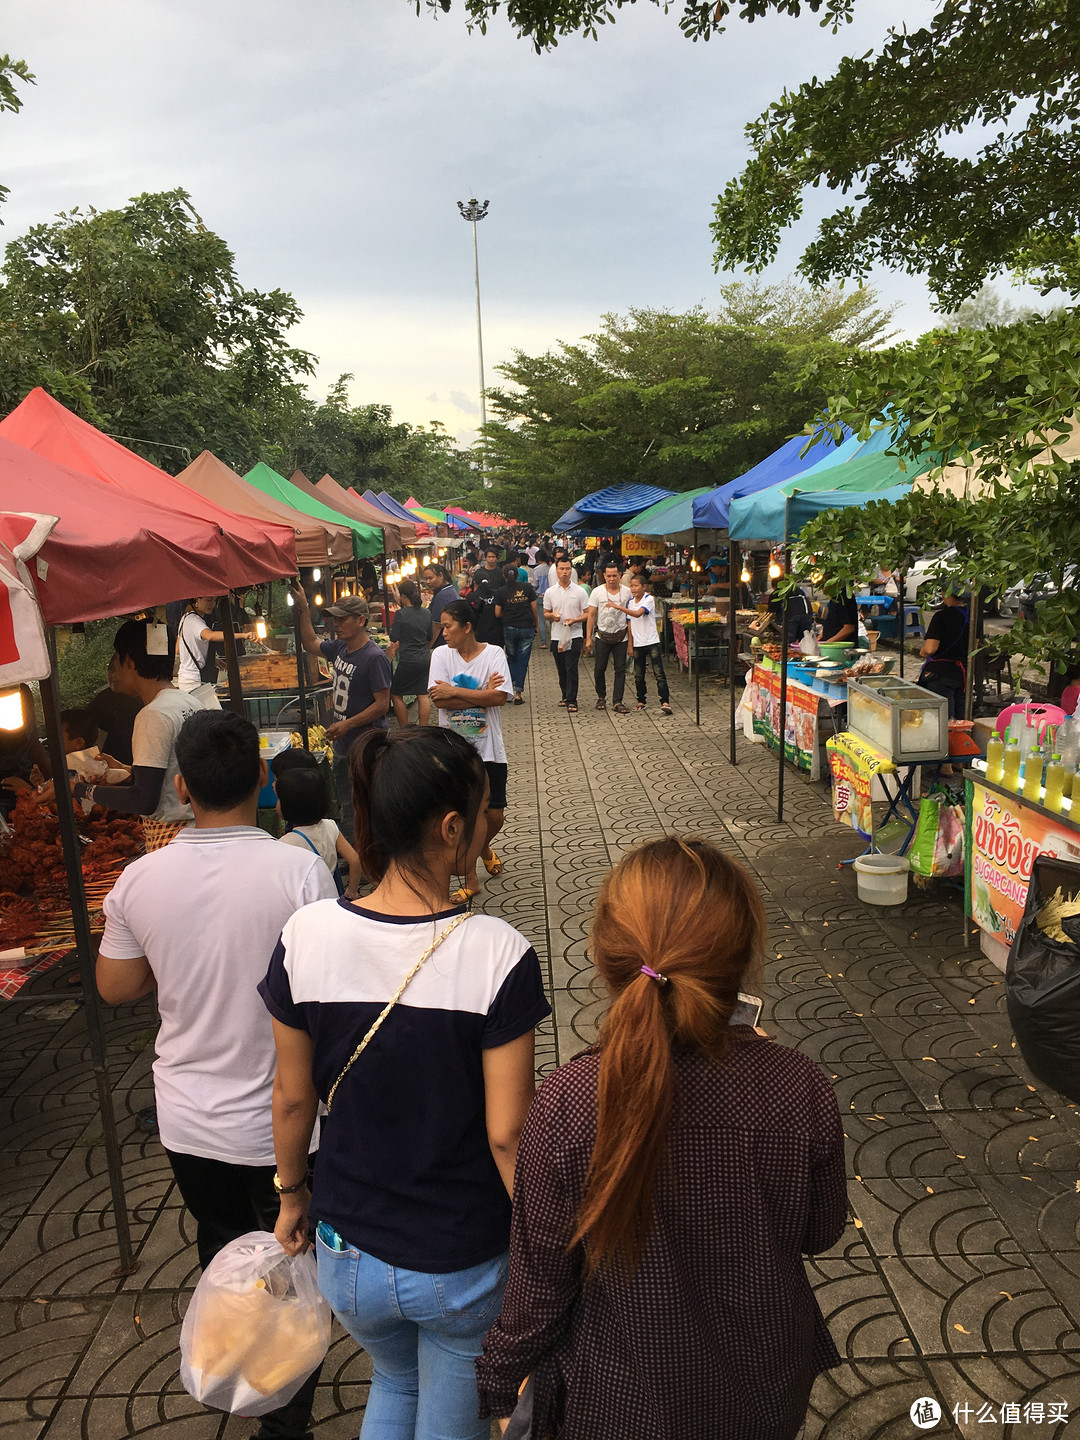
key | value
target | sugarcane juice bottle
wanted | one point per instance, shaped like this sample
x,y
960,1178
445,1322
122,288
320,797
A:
x,y
1033,774
1010,763
1055,784
995,755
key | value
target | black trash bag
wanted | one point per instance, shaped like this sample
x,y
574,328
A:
x,y
1042,983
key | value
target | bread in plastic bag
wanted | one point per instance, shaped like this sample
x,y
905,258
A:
x,y
256,1328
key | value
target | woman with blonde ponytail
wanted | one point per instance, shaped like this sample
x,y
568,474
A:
x,y
669,1181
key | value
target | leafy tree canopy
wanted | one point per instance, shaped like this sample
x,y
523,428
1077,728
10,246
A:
x,y
11,73
136,318
673,400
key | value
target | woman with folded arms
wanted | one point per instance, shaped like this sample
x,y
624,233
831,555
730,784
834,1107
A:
x,y
669,1182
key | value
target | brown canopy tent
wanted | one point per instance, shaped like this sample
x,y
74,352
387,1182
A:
x,y
398,532
317,542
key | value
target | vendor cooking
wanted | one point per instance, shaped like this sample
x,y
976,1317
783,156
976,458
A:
x,y
841,620
193,641
150,790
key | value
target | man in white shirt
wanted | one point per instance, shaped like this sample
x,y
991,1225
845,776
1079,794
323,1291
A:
x,y
197,921
553,568
565,604
608,635
150,790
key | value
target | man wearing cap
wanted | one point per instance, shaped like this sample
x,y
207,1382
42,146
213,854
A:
x,y
361,694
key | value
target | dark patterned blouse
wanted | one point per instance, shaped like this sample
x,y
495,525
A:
x,y
718,1335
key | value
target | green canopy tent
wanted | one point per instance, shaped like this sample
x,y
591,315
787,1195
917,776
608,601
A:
x,y
367,539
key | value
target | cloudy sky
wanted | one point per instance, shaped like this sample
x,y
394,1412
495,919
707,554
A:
x,y
329,142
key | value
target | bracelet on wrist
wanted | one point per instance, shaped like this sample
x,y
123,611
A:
x,y
289,1189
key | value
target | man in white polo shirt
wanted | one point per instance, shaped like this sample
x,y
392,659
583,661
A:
x,y
198,921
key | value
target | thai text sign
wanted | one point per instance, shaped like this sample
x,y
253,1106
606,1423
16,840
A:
x,y
854,763
1006,836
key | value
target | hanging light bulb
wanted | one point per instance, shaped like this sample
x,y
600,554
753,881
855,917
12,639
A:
x,y
318,599
260,629
775,569
745,576
816,577
288,599
11,711
316,574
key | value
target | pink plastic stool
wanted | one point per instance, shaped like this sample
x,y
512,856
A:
x,y
1042,715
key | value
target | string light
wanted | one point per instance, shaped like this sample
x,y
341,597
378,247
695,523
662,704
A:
x,y
288,600
316,574
260,629
318,599
745,576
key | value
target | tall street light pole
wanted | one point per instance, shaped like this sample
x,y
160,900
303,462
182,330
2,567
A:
x,y
473,211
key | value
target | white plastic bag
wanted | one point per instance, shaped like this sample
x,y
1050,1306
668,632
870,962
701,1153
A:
x,y
256,1328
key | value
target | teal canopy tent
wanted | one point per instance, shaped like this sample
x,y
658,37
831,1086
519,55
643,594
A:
x,y
764,516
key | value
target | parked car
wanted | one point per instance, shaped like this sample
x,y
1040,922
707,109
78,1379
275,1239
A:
x,y
1041,588
919,575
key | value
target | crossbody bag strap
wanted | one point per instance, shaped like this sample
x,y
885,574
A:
x,y
457,920
306,839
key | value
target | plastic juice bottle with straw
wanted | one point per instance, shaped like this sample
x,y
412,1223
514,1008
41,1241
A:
x,y
1010,763
1055,784
1033,775
995,755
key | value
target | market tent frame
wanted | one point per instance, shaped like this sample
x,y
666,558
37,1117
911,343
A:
x,y
711,511
366,540
257,552
317,542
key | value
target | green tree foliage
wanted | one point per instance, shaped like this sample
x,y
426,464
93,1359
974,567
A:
x,y
1004,79
672,400
363,446
12,72
136,318
545,22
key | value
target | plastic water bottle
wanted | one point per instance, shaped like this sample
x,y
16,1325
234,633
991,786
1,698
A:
x,y
995,756
1068,740
1055,784
1010,762
1033,775
1029,734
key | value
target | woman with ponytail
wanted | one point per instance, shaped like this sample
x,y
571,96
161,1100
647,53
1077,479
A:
x,y
670,1180
413,1024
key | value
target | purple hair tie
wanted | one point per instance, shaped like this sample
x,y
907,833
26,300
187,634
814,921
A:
x,y
653,974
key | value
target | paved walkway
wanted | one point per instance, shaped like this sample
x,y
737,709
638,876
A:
x,y
959,1276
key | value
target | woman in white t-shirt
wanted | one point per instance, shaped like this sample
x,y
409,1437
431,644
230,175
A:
x,y
469,682
193,644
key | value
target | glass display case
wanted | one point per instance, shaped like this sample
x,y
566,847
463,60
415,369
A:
x,y
905,721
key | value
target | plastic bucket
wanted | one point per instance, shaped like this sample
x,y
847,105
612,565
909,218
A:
x,y
882,879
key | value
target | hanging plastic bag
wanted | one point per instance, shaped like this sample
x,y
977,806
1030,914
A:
x,y
256,1328
938,847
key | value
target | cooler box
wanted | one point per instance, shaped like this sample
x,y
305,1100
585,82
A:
x,y
271,744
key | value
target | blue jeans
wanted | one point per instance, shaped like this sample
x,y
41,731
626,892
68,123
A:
x,y
518,646
423,1333
343,786
540,620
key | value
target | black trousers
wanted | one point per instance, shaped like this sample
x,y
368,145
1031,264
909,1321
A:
x,y
566,663
652,655
616,649
227,1201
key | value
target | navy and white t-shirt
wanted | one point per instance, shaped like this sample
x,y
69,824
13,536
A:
x,y
405,1170
357,675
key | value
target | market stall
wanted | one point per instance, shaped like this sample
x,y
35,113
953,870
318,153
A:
x,y
98,550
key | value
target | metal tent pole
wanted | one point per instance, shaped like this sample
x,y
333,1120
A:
x,y
301,676
84,945
732,642
973,646
385,591
900,601
783,710
696,656
232,665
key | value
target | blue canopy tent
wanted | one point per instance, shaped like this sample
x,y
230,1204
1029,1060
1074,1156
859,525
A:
x,y
711,510
607,509
853,449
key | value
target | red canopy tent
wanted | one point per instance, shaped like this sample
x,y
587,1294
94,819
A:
x,y
112,552
255,551
317,542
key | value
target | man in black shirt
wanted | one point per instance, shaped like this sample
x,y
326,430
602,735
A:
x,y
944,653
515,608
485,582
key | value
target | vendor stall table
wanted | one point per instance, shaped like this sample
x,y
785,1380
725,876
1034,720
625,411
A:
x,y
808,705
1005,833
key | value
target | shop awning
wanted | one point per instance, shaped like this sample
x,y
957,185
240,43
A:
x,y
394,507
366,539
335,501
317,543
111,552
666,517
774,515
711,511
605,510
397,533
255,552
